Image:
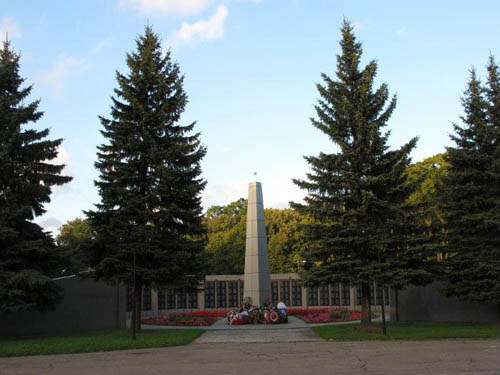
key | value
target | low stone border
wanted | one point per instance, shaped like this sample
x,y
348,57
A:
x,y
293,323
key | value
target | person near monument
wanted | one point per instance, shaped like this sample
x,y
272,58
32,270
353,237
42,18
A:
x,y
281,309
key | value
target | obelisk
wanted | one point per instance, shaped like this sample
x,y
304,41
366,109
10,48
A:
x,y
257,279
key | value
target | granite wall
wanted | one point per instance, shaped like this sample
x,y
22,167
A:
x,y
87,305
427,304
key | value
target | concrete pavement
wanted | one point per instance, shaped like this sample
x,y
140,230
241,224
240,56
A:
x,y
393,357
294,331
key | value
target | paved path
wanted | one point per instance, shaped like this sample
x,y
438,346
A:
x,y
294,331
221,325
388,358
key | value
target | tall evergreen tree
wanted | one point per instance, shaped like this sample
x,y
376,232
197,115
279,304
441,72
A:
x,y
148,224
471,195
493,93
28,255
356,196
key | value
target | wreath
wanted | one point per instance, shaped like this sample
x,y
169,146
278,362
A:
x,y
274,317
265,316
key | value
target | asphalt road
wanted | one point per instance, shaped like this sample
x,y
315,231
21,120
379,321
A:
x,y
319,357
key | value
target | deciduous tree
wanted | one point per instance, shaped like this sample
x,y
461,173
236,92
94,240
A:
x,y
226,228
75,238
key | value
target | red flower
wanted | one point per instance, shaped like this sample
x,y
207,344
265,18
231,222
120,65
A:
x,y
179,319
217,313
327,315
302,311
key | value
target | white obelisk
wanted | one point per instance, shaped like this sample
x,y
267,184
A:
x,y
257,279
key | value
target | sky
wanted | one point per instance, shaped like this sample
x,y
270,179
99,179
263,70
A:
x,y
251,69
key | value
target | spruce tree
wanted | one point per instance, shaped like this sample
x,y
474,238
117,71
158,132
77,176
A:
x,y
471,194
148,229
357,195
28,255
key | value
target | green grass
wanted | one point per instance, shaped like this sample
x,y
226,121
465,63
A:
x,y
403,331
95,342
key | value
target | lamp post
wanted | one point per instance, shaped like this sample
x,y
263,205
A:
x,y
384,326
134,307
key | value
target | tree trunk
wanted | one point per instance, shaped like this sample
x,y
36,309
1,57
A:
x,y
366,314
138,307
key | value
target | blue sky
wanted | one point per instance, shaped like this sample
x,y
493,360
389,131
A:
x,y
250,72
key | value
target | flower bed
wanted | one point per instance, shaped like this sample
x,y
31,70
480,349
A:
x,y
301,311
326,315
181,319
213,313
202,318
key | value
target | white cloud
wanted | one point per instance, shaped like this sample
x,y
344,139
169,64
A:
x,y
100,45
356,26
50,224
401,31
277,191
63,157
7,25
57,76
213,28
222,194
180,7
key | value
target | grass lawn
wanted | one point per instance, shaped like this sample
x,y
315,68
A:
x,y
406,331
95,342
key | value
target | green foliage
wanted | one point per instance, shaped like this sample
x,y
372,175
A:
x,y
471,194
74,239
428,175
226,227
150,184
427,214
226,230
357,196
96,342
286,241
28,257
